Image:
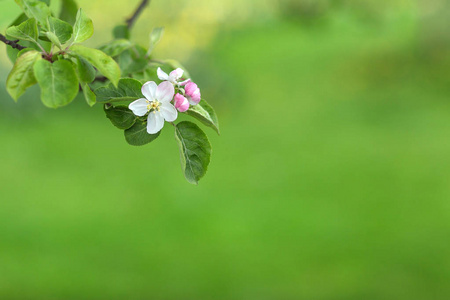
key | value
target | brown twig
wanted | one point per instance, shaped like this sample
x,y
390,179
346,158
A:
x,y
11,43
130,21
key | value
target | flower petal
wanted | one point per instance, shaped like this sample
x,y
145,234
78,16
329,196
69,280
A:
x,y
181,103
149,90
190,88
183,83
155,122
162,75
176,74
165,92
139,107
169,112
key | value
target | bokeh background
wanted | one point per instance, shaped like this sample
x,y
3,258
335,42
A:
x,y
330,180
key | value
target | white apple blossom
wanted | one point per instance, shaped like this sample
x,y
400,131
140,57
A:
x,y
157,104
173,76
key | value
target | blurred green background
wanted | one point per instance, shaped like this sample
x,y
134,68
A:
x,y
331,179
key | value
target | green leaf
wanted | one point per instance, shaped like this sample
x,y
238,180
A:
x,y
104,63
129,62
120,116
155,37
43,37
22,76
83,27
27,31
128,89
195,150
86,72
205,114
137,135
35,9
121,32
116,47
59,31
20,19
88,94
68,12
23,51
58,82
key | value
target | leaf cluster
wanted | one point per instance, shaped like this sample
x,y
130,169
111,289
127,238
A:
x,y
111,74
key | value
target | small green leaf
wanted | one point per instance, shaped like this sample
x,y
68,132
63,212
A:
x,y
137,135
155,37
128,89
58,82
22,75
116,47
53,38
195,150
121,32
83,27
120,116
68,12
205,114
88,94
35,9
86,72
60,30
104,63
27,31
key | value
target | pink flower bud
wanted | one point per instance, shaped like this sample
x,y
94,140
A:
x,y
192,93
181,103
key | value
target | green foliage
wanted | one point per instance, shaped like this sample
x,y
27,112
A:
x,y
26,31
116,47
35,9
104,63
205,114
120,116
59,31
54,59
69,9
20,19
137,135
58,82
83,27
155,37
88,94
195,150
132,61
128,89
21,52
121,32
85,70
21,76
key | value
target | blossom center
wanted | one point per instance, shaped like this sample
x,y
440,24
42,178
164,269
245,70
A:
x,y
153,106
